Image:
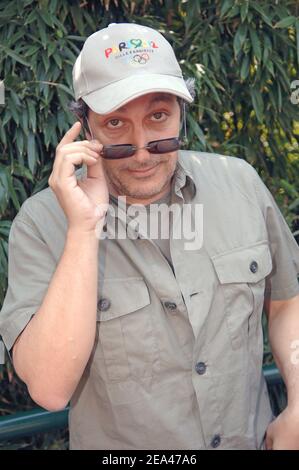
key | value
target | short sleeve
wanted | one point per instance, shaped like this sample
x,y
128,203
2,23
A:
x,y
30,269
282,282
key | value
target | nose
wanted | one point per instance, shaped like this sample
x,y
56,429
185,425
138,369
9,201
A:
x,y
140,139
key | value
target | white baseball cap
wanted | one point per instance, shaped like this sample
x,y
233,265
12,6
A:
x,y
125,61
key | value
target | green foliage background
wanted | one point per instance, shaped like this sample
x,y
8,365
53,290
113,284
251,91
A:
x,y
244,55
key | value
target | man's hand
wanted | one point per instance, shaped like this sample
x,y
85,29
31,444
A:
x,y
283,432
84,202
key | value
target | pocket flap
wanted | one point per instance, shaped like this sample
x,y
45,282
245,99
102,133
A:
x,y
121,296
246,264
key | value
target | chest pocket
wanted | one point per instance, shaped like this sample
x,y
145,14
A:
x,y
126,344
241,274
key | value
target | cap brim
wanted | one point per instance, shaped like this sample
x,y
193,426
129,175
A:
x,y
119,93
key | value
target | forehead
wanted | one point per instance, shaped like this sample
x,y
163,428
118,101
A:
x,y
149,99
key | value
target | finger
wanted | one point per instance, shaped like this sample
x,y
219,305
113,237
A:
x,y
73,148
71,134
64,154
97,170
67,169
80,144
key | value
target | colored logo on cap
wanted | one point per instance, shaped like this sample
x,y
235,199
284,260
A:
x,y
129,45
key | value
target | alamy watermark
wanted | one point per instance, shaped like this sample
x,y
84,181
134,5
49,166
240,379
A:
x,y
295,354
156,221
295,93
2,94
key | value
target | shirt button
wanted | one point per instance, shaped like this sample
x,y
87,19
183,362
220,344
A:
x,y
215,442
253,267
170,305
201,368
104,304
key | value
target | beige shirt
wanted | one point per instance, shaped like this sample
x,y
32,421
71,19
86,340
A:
x,y
156,223
177,358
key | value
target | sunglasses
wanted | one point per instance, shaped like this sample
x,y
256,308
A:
x,y
114,152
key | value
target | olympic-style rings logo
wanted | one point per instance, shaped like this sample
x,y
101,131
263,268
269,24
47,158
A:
x,y
141,59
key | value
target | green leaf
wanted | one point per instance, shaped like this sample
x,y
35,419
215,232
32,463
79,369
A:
x,y
53,6
279,96
64,88
270,67
14,111
24,121
5,226
7,117
267,48
225,7
289,188
56,56
3,257
22,171
283,74
258,104
13,55
15,98
260,10
244,10
239,38
31,51
32,115
11,190
20,140
20,190
3,138
212,87
286,22
77,19
245,68
297,40
196,129
51,48
294,204
46,62
60,27
46,18
256,44
42,32
31,17
77,38
31,152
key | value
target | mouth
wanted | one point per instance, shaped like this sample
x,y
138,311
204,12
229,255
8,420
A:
x,y
146,172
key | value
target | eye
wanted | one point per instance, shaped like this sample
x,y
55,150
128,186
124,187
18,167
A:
x,y
159,116
114,123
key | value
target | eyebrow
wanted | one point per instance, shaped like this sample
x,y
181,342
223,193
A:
x,y
161,97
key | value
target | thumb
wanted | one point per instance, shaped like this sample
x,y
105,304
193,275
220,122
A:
x,y
71,134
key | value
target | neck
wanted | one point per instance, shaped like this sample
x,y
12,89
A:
x,y
143,201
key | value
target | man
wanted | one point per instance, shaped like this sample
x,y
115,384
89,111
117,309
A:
x,y
156,344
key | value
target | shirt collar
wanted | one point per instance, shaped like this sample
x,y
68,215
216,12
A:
x,y
183,182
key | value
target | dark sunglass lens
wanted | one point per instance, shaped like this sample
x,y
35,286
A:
x,y
164,146
118,151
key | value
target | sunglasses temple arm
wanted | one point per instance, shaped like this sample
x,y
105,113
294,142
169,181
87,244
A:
x,y
185,124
